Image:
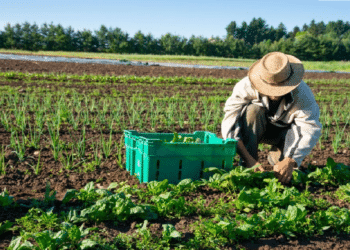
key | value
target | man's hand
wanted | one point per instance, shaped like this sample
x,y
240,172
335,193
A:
x,y
284,170
260,168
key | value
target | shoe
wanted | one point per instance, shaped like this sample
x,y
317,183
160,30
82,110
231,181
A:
x,y
275,156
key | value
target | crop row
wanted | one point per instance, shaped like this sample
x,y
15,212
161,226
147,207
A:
x,y
82,127
63,77
31,118
260,207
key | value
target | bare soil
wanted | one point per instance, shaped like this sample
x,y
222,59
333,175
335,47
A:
x,y
24,185
103,69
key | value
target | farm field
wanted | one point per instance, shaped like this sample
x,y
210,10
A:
x,y
62,164
343,66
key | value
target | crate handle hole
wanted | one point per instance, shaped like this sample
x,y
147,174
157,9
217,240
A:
x,y
223,163
157,173
202,167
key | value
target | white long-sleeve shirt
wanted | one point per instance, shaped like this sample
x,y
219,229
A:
x,y
299,110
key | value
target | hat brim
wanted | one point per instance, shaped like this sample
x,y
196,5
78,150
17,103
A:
x,y
282,88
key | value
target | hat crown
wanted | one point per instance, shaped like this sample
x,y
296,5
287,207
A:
x,y
275,68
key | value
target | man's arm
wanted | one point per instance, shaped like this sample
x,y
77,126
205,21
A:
x,y
241,96
306,129
243,152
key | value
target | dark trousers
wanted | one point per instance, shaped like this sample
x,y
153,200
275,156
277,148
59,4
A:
x,y
255,128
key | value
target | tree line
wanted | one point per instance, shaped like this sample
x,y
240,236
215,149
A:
x,y
316,41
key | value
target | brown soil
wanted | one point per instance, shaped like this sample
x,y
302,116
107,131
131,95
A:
x,y
23,184
103,69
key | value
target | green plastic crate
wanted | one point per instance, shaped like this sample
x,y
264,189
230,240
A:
x,y
151,159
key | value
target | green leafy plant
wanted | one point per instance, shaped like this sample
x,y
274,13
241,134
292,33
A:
x,y
333,174
5,199
37,220
3,164
166,205
4,227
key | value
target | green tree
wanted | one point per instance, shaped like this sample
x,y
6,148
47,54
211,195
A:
x,y
9,37
346,49
316,29
271,34
140,43
264,47
86,41
48,36
118,41
173,44
70,39
2,39
31,38
307,47
62,40
235,47
305,27
281,31
18,36
232,30
286,46
292,34
152,45
256,31
102,38
200,45
242,31
339,28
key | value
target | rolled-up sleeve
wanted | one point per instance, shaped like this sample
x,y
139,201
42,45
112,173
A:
x,y
233,109
307,132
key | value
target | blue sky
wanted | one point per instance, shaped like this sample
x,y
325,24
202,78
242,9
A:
x,y
179,17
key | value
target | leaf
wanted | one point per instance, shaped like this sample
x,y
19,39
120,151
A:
x,y
155,187
330,162
83,232
102,192
136,210
69,195
185,182
112,185
85,244
292,213
73,216
175,234
14,244
166,195
289,233
60,237
170,231
44,239
26,246
89,187
4,227
213,169
223,223
248,170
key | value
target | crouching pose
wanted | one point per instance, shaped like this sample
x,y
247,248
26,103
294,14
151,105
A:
x,y
273,105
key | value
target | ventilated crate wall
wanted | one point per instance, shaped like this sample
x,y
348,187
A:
x,y
150,158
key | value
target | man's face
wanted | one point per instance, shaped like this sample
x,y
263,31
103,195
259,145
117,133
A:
x,y
274,98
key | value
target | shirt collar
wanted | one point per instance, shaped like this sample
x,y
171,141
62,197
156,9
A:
x,y
289,100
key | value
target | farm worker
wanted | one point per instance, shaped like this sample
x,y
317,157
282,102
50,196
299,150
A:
x,y
273,105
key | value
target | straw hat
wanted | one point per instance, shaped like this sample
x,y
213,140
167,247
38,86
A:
x,y
276,74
